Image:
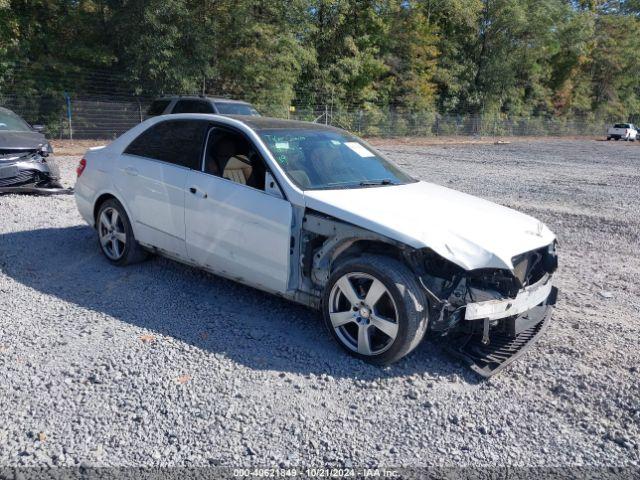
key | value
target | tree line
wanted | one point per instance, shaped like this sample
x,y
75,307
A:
x,y
555,58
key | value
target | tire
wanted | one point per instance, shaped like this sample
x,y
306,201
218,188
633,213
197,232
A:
x,y
608,139
617,138
402,298
117,241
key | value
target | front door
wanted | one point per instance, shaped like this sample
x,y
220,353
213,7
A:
x,y
233,226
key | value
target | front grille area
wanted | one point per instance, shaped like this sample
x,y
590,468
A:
x,y
24,176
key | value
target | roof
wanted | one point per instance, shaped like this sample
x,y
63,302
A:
x,y
198,97
268,123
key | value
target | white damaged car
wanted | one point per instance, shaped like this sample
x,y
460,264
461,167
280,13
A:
x,y
316,215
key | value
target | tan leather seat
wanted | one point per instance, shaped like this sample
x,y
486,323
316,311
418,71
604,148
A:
x,y
237,169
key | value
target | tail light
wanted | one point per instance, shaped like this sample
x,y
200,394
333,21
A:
x,y
81,166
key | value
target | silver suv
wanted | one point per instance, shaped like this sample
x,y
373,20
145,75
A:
x,y
195,104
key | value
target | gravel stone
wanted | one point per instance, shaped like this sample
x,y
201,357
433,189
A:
x,y
265,377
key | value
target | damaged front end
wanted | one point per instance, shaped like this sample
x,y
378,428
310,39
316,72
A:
x,y
29,171
491,316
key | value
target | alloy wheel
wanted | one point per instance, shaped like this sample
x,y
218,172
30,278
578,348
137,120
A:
x,y
113,237
363,313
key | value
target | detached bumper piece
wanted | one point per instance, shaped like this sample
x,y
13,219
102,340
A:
x,y
508,339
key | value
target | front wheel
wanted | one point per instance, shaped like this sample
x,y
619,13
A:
x,y
375,309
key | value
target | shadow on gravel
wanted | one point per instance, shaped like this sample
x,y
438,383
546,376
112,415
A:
x,y
250,327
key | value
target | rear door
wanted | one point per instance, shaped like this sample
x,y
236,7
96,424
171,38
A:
x,y
233,226
151,177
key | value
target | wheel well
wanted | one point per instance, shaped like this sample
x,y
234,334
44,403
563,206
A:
x,y
360,247
101,199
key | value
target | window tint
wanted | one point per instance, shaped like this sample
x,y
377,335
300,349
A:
x,y
231,108
621,125
193,106
232,156
174,141
157,107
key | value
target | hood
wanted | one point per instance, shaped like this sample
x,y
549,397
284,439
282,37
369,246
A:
x,y
466,230
10,140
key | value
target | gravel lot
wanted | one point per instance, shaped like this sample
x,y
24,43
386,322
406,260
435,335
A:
x,y
161,364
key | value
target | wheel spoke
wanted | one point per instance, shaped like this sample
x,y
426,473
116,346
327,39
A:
x,y
114,219
388,328
115,247
104,220
376,290
122,237
348,291
105,240
364,343
341,318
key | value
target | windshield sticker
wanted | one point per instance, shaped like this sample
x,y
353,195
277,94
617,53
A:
x,y
282,145
359,149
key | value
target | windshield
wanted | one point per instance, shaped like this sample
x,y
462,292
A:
x,y
9,121
325,159
229,108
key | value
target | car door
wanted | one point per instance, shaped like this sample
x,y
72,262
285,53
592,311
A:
x,y
152,175
234,227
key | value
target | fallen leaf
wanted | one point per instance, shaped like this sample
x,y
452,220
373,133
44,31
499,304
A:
x,y
146,338
182,379
42,436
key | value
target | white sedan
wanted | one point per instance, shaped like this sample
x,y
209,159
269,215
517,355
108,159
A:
x,y
316,215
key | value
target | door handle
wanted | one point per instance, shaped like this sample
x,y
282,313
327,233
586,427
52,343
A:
x,y
131,171
197,192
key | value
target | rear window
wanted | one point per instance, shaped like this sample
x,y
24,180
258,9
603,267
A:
x,y
174,141
230,108
193,106
621,125
158,107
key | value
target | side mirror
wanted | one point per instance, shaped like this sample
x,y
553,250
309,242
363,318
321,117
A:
x,y
271,186
38,128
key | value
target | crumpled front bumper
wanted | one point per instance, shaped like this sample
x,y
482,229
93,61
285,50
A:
x,y
33,174
526,299
501,340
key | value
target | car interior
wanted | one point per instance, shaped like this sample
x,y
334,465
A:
x,y
230,155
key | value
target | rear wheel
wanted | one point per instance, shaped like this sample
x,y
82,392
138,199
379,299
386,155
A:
x,y
116,235
375,309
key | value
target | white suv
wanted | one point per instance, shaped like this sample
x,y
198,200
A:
x,y
315,215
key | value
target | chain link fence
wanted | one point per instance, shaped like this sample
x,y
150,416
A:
x,y
80,116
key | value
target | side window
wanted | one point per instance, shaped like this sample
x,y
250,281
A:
x,y
175,141
193,106
231,155
157,107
